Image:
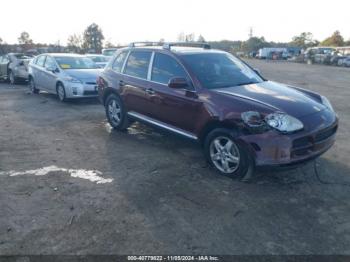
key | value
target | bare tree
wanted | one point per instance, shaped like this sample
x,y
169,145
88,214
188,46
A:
x,y
190,37
75,43
181,37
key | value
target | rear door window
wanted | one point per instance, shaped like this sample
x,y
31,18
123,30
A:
x,y
119,61
50,62
137,64
41,61
165,68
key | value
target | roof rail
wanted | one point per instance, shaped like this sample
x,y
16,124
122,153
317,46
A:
x,y
187,44
134,44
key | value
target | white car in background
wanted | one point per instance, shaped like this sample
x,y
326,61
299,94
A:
x,y
67,75
109,51
14,67
344,62
100,60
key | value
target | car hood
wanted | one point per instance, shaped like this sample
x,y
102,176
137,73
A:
x,y
278,97
89,75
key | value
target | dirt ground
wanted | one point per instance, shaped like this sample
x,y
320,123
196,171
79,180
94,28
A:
x,y
158,195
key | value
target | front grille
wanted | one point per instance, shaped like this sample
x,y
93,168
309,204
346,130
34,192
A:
x,y
305,145
301,142
323,135
90,83
90,93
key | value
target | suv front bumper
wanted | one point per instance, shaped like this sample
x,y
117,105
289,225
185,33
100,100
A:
x,y
275,149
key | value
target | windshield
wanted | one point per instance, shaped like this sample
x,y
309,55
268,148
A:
x,y
22,56
109,52
75,63
219,70
99,59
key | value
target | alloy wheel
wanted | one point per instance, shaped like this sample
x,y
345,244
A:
x,y
114,111
31,85
60,91
12,78
224,154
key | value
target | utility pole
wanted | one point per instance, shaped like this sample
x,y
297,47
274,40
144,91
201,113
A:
x,y
250,32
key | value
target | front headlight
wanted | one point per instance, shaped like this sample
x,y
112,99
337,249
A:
x,y
72,79
326,103
283,122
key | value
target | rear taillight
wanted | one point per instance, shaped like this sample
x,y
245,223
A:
x,y
100,82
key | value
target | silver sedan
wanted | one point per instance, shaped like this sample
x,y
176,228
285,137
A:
x,y
67,75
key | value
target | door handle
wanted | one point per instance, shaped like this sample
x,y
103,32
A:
x,y
150,91
121,83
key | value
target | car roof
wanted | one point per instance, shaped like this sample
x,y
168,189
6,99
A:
x,y
64,55
94,55
181,50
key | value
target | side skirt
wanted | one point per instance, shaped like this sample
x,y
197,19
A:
x,y
160,124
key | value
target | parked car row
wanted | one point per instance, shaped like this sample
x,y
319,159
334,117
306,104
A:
x,y
326,55
14,66
241,119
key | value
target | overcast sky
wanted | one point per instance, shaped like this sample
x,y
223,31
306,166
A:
x,y
136,20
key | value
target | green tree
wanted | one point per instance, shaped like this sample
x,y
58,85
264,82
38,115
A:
x,y
336,39
201,39
93,38
24,39
254,44
304,40
75,43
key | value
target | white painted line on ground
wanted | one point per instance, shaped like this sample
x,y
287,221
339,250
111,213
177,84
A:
x,y
91,175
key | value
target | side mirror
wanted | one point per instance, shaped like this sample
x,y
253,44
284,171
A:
x,y
178,83
257,71
51,69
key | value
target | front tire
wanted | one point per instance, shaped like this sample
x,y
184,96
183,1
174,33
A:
x,y
12,78
116,113
61,92
227,155
32,86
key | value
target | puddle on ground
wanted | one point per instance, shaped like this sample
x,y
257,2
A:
x,y
91,175
136,129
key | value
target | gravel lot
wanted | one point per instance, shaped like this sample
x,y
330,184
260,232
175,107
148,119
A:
x,y
162,198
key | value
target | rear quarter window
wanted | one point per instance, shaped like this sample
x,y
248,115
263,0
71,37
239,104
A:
x,y
40,61
119,61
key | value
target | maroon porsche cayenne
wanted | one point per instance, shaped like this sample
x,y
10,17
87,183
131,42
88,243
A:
x,y
242,120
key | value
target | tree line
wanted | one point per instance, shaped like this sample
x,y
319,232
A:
x,y
92,40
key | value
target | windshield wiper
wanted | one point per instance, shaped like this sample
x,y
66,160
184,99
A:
x,y
247,83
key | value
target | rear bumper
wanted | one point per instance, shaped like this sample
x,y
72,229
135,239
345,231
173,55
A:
x,y
274,149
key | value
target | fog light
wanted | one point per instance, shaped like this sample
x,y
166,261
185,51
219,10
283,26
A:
x,y
75,91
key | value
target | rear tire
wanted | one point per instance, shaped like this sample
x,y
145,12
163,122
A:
x,y
116,113
227,155
61,92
